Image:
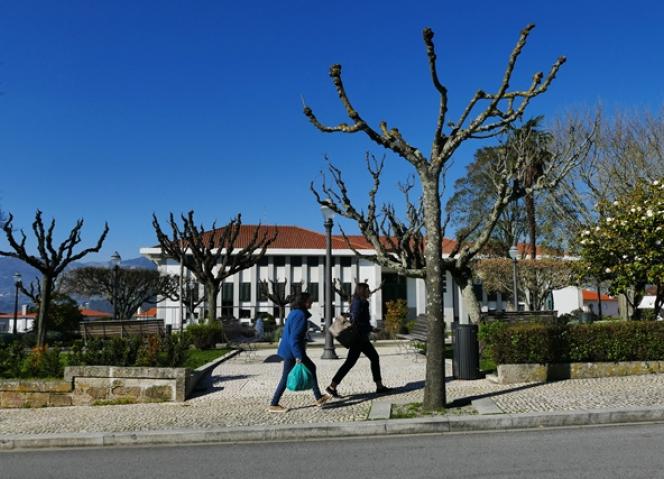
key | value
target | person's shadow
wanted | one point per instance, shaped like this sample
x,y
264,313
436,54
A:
x,y
353,399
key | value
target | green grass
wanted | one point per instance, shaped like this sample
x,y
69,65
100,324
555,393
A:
x,y
199,357
412,410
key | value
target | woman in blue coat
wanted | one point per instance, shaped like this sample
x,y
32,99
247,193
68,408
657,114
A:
x,y
293,349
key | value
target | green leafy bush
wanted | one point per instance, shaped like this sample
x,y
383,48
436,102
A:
x,y
395,318
17,362
206,335
556,343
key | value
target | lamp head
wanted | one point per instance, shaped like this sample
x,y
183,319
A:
x,y
514,252
115,259
327,212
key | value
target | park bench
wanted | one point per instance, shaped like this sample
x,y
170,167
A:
x,y
240,336
121,328
419,334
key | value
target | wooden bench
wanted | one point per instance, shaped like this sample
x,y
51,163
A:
x,y
121,328
419,334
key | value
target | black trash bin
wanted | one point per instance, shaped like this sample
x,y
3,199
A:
x,y
466,358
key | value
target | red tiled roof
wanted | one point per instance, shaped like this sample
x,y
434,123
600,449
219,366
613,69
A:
x,y
91,313
291,237
150,313
590,295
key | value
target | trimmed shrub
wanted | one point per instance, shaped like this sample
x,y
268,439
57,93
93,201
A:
x,y
395,318
206,335
551,343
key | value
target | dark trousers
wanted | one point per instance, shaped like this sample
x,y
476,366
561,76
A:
x,y
288,365
362,346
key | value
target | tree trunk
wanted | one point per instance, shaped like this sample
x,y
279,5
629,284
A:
x,y
434,388
470,303
532,239
44,303
211,293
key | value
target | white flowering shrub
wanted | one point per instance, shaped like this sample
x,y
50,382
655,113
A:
x,y
625,245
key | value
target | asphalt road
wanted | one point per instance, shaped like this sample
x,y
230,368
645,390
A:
x,y
631,451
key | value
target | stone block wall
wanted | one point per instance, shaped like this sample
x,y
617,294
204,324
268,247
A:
x,y
522,373
83,385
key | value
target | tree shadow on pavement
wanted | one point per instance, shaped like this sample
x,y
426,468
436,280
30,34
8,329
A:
x,y
465,401
210,384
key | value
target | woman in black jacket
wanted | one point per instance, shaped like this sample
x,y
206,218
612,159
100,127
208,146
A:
x,y
359,316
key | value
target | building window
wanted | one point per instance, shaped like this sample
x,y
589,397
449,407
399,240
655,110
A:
x,y
245,291
444,282
312,261
280,261
477,289
296,261
245,313
262,291
312,289
227,293
492,296
346,290
264,261
346,261
296,288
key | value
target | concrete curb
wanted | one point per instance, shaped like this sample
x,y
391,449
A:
x,y
442,424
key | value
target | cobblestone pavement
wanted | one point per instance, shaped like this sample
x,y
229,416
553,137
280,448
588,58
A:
x,y
242,387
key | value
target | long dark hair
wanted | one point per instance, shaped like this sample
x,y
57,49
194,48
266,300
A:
x,y
300,300
361,288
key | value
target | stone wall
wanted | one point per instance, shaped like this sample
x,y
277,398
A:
x,y
83,385
16,393
522,373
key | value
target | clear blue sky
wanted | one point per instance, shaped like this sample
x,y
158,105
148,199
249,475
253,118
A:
x,y
112,110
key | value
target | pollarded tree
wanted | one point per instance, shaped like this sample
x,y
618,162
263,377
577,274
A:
x,y
133,287
536,278
50,261
213,255
625,245
277,292
403,248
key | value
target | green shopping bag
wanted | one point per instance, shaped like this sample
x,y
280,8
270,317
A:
x,y
300,378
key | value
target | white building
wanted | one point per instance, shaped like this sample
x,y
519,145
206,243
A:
x,y
298,256
24,321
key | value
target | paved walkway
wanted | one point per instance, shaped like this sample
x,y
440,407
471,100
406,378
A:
x,y
242,387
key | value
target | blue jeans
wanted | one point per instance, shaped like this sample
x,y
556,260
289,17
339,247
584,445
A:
x,y
288,365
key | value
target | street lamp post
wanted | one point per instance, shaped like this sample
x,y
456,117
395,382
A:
x,y
328,351
190,289
514,254
115,264
17,284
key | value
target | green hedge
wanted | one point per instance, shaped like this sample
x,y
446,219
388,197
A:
x,y
551,343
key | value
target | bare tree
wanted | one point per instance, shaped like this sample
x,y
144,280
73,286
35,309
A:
x,y
50,260
212,256
408,254
347,295
132,287
277,292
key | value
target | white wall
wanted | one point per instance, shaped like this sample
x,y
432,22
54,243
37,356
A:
x,y
567,299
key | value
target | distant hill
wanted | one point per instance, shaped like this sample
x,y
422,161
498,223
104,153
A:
x,y
9,266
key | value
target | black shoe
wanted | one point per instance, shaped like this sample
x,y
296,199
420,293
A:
x,y
332,392
383,390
